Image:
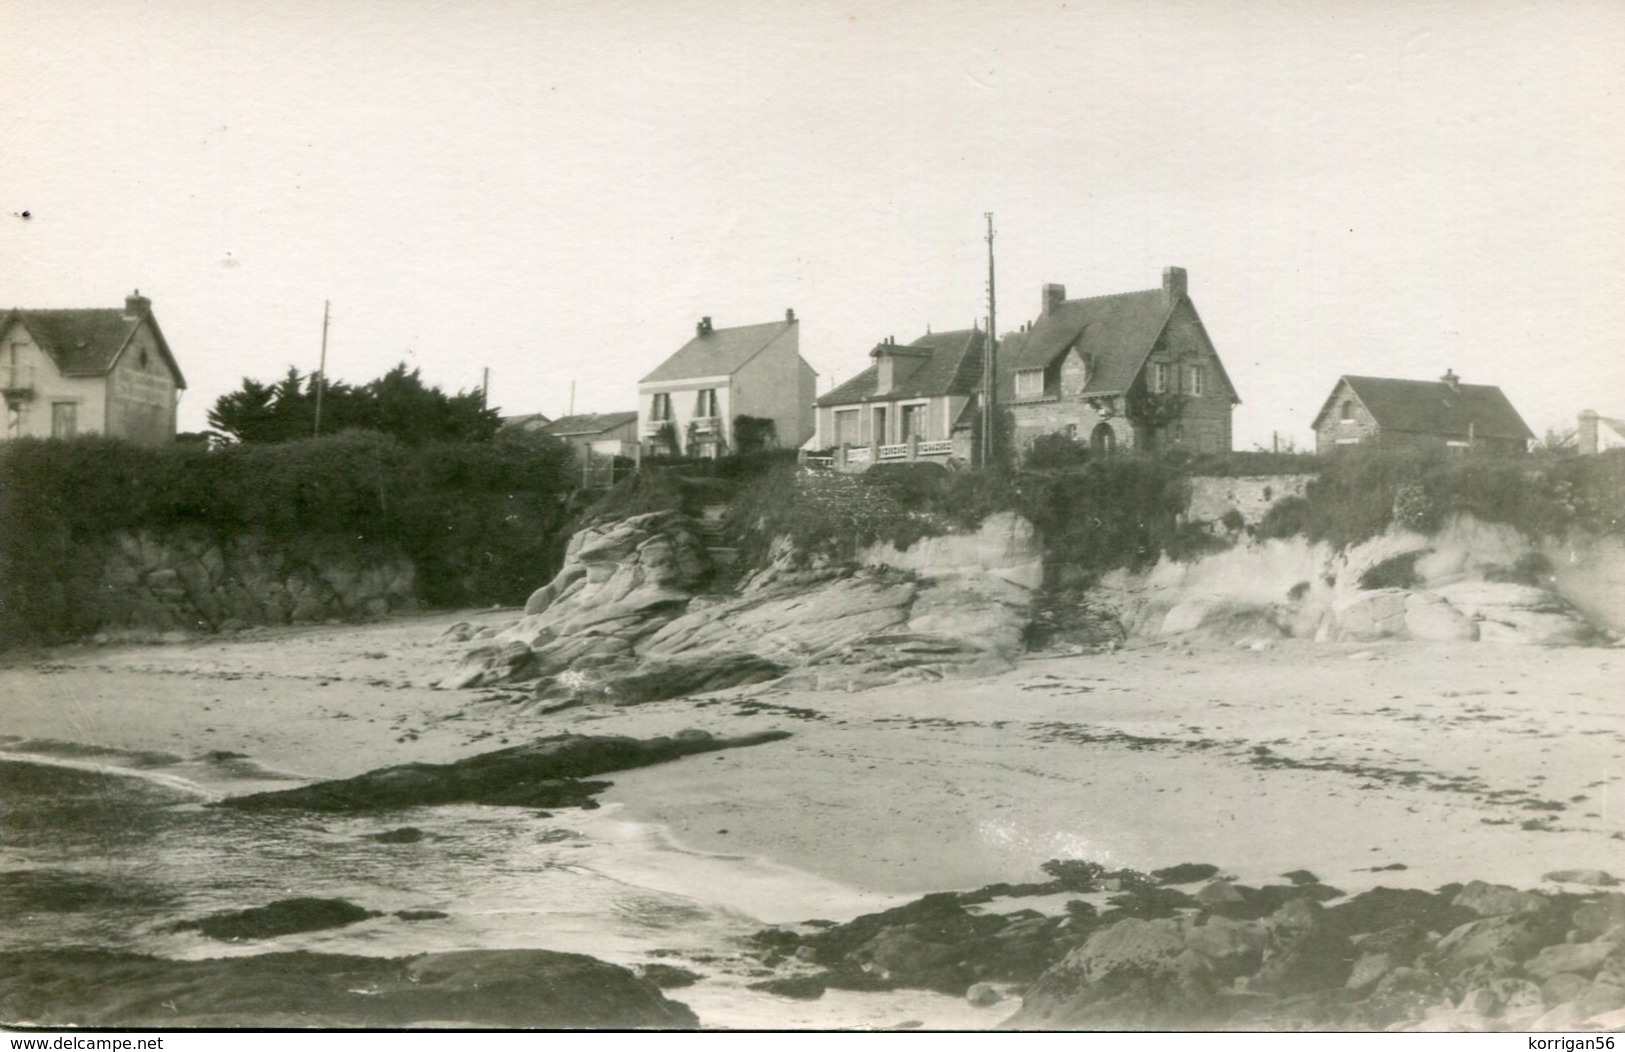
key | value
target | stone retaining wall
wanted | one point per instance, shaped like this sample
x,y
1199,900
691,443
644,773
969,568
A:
x,y
143,584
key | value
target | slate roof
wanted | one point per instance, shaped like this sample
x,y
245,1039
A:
x,y
583,424
719,352
86,341
1115,332
943,363
1433,407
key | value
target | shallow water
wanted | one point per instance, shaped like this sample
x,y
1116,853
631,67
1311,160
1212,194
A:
x,y
112,851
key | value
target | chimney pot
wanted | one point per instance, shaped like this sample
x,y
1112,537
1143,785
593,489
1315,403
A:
x,y
1173,283
1054,295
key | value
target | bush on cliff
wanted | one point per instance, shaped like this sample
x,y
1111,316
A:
x,y
1360,494
481,522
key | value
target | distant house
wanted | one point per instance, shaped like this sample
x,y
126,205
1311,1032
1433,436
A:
x,y
1599,433
912,403
526,422
1419,414
690,403
604,434
1135,370
89,371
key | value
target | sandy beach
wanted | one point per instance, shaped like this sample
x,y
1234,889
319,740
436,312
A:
x,y
1400,764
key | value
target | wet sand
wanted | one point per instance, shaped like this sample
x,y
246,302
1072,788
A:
x,y
1398,764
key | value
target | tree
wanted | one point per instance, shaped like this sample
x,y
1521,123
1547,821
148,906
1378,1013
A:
x,y
397,403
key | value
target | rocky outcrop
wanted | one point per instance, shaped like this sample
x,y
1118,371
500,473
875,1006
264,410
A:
x,y
544,773
632,616
1469,582
1292,956
193,582
471,988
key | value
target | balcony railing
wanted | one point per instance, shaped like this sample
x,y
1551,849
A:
x,y
897,452
17,381
938,448
652,428
706,425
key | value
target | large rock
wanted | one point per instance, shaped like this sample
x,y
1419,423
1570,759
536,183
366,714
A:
x,y
1370,615
543,773
1518,613
1431,619
1132,973
471,988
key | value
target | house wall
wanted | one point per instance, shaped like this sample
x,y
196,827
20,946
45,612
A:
x,y
37,373
1205,424
940,414
779,385
1335,433
684,395
141,392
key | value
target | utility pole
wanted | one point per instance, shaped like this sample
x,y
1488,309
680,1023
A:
x,y
989,371
321,371
485,385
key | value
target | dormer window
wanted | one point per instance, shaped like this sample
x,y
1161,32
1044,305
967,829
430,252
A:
x,y
1029,382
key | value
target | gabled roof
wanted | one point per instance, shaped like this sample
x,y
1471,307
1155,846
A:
x,y
584,424
1115,333
87,341
719,352
526,421
1433,407
938,363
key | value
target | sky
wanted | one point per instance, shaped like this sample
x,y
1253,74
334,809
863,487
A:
x,y
556,190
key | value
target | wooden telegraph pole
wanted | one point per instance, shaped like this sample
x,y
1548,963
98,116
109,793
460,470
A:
x,y
321,371
989,370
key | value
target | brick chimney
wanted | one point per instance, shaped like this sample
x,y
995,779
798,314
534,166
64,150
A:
x,y
1450,379
790,314
703,326
1173,284
1588,431
887,362
137,305
1053,296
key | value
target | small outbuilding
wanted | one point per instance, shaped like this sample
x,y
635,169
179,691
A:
x,y
1443,414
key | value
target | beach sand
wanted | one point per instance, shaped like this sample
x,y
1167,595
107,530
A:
x,y
1400,764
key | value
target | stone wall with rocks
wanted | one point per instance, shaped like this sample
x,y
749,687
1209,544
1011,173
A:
x,y
142,585
1249,496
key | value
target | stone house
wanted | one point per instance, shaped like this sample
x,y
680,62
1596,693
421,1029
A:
x,y
1135,370
1443,414
915,402
690,403
89,371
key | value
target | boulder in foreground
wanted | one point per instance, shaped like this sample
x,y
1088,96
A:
x,y
547,772
474,988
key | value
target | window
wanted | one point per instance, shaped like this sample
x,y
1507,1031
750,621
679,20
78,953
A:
x,y
705,404
64,419
846,427
660,411
1159,377
1029,382
1193,379
1348,409
913,422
